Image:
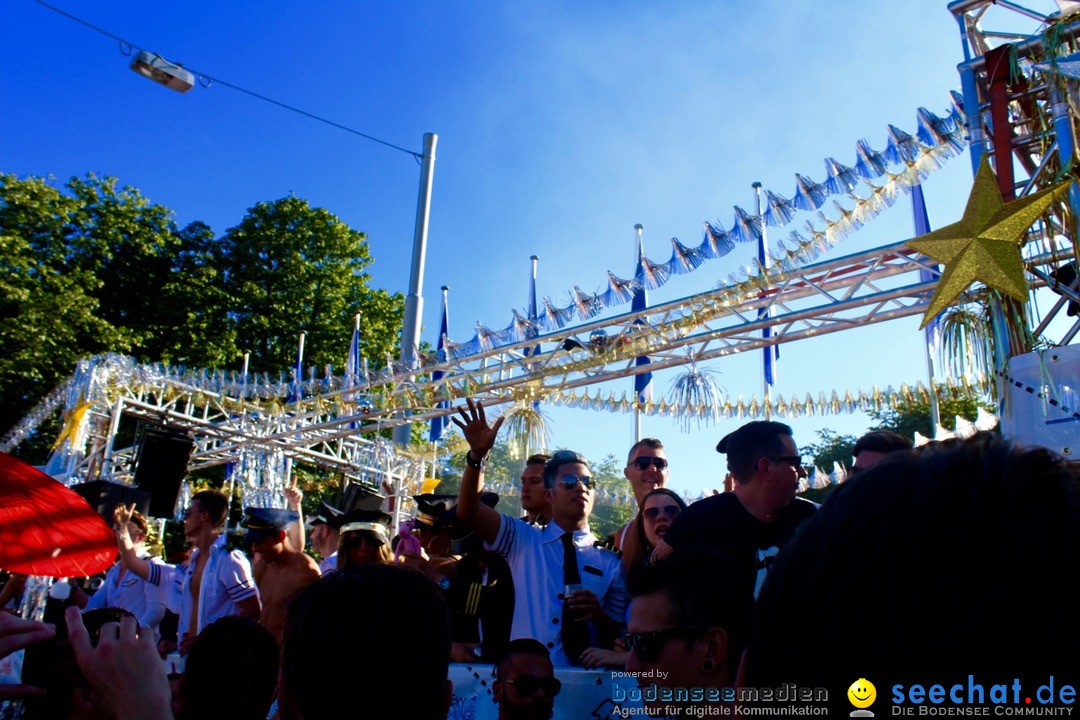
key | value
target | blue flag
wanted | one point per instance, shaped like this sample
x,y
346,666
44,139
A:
x,y
296,393
770,354
439,424
352,362
642,381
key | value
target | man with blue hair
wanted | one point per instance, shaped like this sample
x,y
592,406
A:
x,y
570,594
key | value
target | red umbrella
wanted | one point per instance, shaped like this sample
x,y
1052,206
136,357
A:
x,y
46,529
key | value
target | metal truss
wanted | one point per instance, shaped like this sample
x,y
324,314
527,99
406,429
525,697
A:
x,y
1037,122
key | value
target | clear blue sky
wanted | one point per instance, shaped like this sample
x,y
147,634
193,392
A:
x,y
561,125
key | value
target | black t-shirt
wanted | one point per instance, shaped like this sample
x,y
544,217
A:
x,y
750,544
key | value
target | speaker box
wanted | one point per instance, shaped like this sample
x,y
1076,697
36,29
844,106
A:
x,y
104,496
160,467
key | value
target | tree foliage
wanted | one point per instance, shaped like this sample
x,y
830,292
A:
x,y
832,447
91,267
914,416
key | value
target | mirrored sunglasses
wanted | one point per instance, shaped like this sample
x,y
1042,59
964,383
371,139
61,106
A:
x,y
570,481
643,463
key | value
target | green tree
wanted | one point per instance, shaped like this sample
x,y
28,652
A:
x,y
831,448
291,268
90,267
914,416
48,305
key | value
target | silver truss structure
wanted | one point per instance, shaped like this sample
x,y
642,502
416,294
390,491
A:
x,y
327,427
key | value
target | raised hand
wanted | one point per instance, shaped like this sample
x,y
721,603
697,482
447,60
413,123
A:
x,y
122,515
475,428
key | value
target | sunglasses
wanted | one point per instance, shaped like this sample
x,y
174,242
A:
x,y
528,685
643,463
794,461
358,540
654,512
570,481
647,645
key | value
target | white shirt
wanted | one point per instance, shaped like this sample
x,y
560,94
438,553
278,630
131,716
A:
x,y
535,556
139,597
226,580
328,564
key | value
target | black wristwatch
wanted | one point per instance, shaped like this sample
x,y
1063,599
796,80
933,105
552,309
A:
x,y
478,464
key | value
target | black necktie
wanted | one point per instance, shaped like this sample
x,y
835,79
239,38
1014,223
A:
x,y
575,635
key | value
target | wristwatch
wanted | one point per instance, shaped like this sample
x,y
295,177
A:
x,y
478,464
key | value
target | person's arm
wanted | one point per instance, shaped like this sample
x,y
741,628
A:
x,y
481,437
13,588
661,550
294,496
129,556
155,604
631,545
250,607
240,585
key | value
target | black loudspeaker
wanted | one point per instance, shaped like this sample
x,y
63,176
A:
x,y
105,496
160,467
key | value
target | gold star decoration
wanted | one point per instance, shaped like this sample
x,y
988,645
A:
x,y
984,246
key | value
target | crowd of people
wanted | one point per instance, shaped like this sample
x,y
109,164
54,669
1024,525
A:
x,y
953,558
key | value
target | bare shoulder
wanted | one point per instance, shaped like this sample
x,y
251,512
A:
x,y
304,564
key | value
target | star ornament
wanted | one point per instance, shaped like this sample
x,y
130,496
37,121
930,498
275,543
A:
x,y
984,246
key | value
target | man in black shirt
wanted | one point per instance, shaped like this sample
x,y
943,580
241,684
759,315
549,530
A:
x,y
751,523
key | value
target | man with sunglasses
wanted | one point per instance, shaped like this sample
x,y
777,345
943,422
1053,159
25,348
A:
x,y
537,555
525,684
689,620
753,521
646,469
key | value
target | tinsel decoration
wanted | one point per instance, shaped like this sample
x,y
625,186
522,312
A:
x,y
697,389
962,340
526,430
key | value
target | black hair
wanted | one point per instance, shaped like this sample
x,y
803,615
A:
x,y
231,671
703,589
643,442
910,570
527,646
557,460
882,441
751,442
537,459
362,630
213,503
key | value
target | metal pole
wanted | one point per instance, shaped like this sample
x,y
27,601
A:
x,y
414,301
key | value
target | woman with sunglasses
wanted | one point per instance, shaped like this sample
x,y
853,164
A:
x,y
365,539
657,511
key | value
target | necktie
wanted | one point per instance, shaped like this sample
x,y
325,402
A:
x,y
575,635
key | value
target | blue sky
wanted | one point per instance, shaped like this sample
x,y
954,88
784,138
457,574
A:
x,y
561,125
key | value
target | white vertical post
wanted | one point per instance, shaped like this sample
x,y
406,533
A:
x,y
414,301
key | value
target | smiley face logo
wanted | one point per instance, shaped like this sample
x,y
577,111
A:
x,y
862,693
